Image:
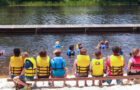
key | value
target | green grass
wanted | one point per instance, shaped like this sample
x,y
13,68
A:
x,y
71,3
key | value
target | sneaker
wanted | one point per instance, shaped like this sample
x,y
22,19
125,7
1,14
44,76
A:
x,y
50,84
27,87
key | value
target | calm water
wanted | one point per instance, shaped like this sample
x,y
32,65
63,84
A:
x,y
70,15
67,15
33,43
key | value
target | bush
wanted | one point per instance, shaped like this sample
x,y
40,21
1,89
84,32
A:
x,y
4,2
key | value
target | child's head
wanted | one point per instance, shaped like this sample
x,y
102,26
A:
x,y
106,42
57,42
135,52
79,44
24,55
42,53
83,51
116,50
120,48
16,52
102,42
57,52
71,47
98,54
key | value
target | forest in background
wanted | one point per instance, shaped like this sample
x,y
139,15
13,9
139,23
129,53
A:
x,y
67,2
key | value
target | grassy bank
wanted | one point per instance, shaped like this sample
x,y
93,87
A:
x,y
71,3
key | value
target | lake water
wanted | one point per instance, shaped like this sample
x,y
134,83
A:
x,y
67,15
70,15
33,44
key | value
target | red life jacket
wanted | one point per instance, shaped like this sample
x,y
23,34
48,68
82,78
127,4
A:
x,y
135,63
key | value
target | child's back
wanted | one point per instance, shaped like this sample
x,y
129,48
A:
x,y
97,64
16,63
97,67
115,64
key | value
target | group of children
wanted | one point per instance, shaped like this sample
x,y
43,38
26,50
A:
x,y
22,67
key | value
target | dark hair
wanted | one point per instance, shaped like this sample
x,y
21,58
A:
x,y
79,44
16,52
97,53
116,49
43,53
83,51
71,47
80,47
57,52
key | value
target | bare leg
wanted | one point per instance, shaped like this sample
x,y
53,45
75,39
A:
x,y
100,83
18,81
128,81
77,83
93,83
86,83
64,83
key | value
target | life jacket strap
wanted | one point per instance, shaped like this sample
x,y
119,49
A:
x,y
117,70
135,65
16,71
31,72
58,68
45,72
82,70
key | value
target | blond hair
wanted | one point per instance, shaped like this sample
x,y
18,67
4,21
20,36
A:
x,y
24,54
135,52
57,52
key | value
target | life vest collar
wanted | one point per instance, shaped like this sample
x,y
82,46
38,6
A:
x,y
116,54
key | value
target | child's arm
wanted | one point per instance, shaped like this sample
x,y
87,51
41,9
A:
x,y
90,69
74,66
104,64
65,72
10,68
23,72
129,65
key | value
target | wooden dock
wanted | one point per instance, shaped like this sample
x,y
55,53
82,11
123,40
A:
x,y
44,29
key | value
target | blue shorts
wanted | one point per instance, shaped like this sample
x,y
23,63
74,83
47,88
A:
x,y
12,76
25,78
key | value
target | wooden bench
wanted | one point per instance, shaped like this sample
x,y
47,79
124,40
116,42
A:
x,y
84,78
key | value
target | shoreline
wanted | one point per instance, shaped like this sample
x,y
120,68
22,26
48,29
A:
x,y
72,3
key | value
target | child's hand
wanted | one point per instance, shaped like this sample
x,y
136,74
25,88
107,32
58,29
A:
x,y
9,73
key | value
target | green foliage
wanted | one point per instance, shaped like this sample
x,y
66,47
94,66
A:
x,y
67,2
4,2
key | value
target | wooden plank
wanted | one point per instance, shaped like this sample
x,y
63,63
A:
x,y
38,29
86,78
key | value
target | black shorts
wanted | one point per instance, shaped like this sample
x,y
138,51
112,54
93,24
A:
x,y
97,76
134,73
80,75
43,76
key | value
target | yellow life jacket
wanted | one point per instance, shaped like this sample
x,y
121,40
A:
x,y
17,65
31,71
97,67
116,65
83,62
77,46
43,66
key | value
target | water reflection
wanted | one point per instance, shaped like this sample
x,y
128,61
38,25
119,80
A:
x,y
70,15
